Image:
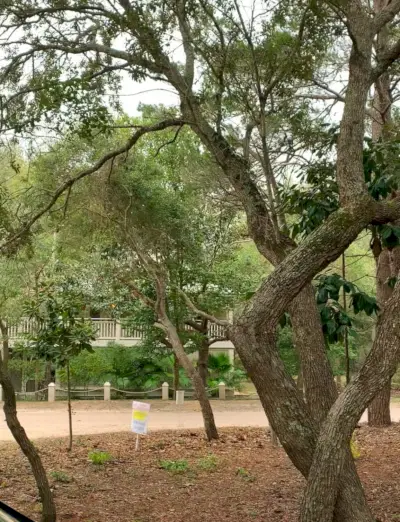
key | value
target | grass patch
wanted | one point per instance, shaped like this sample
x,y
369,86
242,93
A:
x,y
175,466
208,463
60,476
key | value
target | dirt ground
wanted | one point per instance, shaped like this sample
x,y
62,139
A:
x,y
240,478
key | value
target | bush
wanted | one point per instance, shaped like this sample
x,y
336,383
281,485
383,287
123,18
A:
x,y
99,457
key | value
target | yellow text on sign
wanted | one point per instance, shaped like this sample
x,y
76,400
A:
x,y
140,415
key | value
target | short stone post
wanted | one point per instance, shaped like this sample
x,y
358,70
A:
x,y
180,397
107,391
51,396
1,393
165,391
222,391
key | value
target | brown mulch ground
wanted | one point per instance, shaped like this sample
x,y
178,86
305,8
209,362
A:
x,y
134,488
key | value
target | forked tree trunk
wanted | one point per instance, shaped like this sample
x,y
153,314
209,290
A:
x,y
321,393
291,420
334,439
29,450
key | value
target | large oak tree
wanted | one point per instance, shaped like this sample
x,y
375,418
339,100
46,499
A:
x,y
61,57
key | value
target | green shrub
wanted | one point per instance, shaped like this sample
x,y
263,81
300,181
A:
x,y
99,457
208,463
175,466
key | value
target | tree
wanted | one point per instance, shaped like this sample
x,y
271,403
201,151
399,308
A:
x,y
61,333
318,445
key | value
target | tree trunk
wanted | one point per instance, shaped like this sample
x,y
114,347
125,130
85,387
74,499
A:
x,y
290,418
379,409
300,380
48,374
319,385
320,394
208,415
333,443
69,407
29,450
202,363
176,375
6,346
187,364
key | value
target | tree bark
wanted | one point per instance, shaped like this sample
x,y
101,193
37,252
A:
x,y
202,363
6,346
379,409
173,337
176,375
29,450
319,384
333,443
300,380
290,418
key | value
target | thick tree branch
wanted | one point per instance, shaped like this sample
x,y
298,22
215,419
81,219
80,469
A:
x,y
385,60
320,248
386,15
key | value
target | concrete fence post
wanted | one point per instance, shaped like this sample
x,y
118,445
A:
x,y
118,331
1,393
107,391
180,397
165,391
51,397
222,391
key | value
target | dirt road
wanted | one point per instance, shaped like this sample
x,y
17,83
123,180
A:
x,y
50,420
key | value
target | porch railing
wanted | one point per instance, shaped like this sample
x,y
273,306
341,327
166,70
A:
x,y
106,330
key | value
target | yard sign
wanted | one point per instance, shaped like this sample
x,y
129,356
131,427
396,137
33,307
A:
x,y
140,417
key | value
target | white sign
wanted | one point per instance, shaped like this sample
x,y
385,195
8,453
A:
x,y
140,417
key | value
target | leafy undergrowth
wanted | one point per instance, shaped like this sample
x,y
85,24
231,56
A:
x,y
179,477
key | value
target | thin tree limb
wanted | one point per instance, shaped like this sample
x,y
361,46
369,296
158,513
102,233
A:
x,y
91,170
196,310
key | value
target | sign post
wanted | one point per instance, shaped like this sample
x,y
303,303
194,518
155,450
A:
x,y
140,418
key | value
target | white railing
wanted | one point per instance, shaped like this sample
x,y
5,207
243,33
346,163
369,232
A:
x,y
106,330
216,330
